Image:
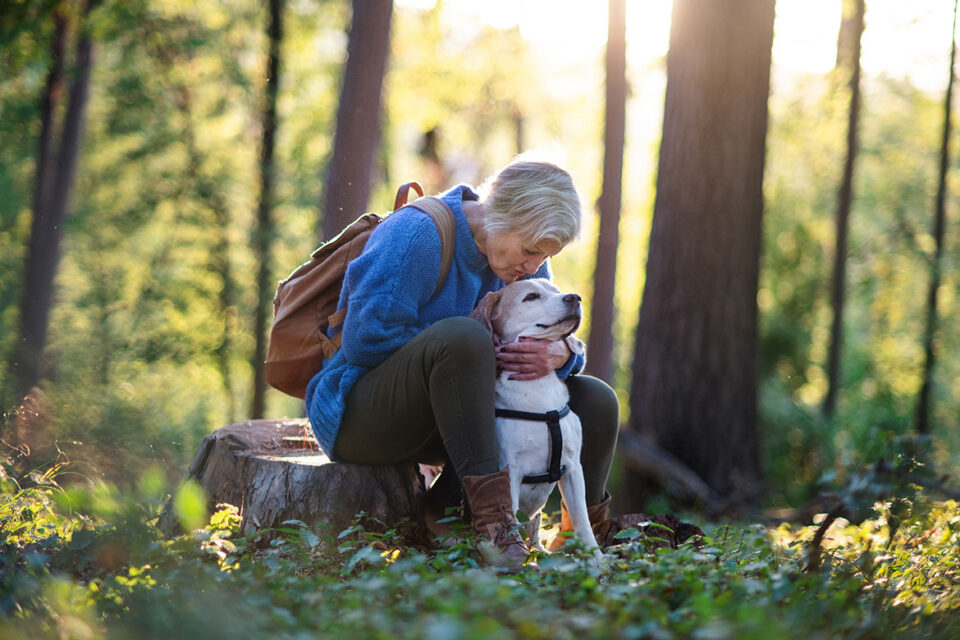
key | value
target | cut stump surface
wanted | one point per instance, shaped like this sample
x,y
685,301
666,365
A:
x,y
273,471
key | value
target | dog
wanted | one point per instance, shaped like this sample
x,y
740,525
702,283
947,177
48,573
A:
x,y
535,308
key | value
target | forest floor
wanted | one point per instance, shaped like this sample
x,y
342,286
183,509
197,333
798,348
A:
x,y
89,563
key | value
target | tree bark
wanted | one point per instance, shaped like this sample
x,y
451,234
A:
x,y
848,38
924,400
600,342
347,187
272,471
844,200
263,236
519,129
694,385
56,173
52,95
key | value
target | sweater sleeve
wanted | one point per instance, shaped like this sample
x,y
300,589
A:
x,y
387,285
573,366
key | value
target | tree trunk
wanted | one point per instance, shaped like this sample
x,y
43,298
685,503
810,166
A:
x,y
924,401
844,199
52,95
272,471
519,130
646,459
54,187
220,263
263,236
848,38
347,187
604,276
694,385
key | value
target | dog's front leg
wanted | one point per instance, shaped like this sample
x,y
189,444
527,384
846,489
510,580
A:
x,y
515,480
574,494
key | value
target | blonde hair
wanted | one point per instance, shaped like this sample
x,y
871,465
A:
x,y
533,198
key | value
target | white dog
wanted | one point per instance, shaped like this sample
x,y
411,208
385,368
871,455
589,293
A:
x,y
536,459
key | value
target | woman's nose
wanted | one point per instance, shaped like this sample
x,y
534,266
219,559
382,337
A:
x,y
531,266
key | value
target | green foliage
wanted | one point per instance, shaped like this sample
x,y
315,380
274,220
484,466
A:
x,y
888,272
157,415
87,562
150,339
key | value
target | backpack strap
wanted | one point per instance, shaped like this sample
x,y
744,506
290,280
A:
x,y
404,191
442,216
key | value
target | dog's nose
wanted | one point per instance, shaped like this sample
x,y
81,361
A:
x,y
571,298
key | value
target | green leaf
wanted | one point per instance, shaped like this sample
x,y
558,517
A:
x,y
190,505
364,554
299,523
348,531
309,538
628,534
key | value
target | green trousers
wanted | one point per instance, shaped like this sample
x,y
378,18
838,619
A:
x,y
432,401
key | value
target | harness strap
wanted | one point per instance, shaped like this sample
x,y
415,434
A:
x,y
554,471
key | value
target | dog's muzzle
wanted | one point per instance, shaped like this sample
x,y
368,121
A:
x,y
575,314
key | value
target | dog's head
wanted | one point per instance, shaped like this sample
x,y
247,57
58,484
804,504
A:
x,y
529,308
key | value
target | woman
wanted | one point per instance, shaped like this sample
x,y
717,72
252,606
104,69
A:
x,y
414,379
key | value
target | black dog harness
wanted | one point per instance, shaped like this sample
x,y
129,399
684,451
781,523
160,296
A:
x,y
555,470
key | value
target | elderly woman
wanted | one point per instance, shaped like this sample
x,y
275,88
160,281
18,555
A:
x,y
414,379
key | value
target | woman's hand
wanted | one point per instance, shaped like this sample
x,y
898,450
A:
x,y
532,358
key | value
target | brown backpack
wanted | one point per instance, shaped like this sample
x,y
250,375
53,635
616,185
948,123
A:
x,y
306,301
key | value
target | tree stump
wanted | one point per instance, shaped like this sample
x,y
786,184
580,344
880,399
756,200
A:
x,y
273,471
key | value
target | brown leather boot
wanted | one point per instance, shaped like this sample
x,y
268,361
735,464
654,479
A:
x,y
603,526
489,502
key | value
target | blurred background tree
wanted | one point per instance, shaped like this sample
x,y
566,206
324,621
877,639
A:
x,y
265,230
694,381
847,70
63,106
603,314
924,399
348,179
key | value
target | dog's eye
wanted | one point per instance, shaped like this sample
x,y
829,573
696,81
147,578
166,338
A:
x,y
531,296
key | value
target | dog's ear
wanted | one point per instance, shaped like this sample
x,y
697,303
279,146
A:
x,y
485,313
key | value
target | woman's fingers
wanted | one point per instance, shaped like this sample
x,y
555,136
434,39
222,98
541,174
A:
x,y
525,360
532,357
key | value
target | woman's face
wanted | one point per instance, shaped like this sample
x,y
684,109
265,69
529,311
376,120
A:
x,y
510,257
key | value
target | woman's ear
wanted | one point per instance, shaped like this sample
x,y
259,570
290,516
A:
x,y
485,313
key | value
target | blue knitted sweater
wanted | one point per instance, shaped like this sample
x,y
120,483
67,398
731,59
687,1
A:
x,y
389,291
